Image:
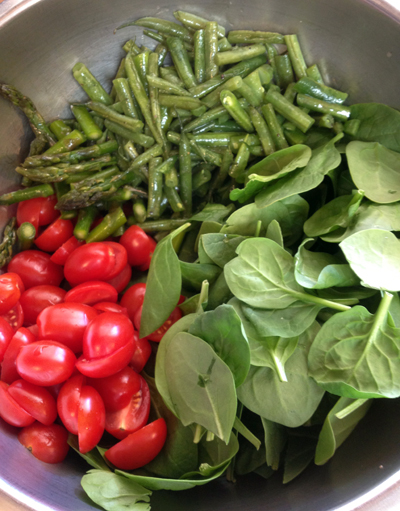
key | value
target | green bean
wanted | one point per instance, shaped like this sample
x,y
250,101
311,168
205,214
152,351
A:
x,y
262,131
137,138
110,223
86,122
317,90
166,118
239,114
173,137
251,140
211,49
237,170
325,121
145,157
171,178
154,35
220,177
123,93
213,139
139,210
166,86
132,124
293,134
274,127
185,174
242,69
60,129
170,75
174,199
201,178
180,59
253,80
141,97
155,188
317,105
265,73
153,94
296,56
167,164
254,36
117,107
26,234
44,190
249,95
351,127
165,27
167,224
292,113
199,56
314,73
182,102
272,53
290,93
131,47
226,127
121,73
69,142
284,70
206,154
338,127
123,194
224,44
239,54
214,98
90,84
161,51
195,22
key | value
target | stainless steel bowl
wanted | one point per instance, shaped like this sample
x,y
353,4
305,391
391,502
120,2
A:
x,y
357,45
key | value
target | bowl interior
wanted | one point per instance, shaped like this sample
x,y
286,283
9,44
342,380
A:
x,y
356,46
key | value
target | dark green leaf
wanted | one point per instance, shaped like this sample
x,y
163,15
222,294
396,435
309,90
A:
x,y
299,454
212,213
221,248
193,274
275,438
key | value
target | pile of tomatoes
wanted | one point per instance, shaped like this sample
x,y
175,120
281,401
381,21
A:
x,y
70,351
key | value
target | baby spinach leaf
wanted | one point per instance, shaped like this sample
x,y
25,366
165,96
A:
x,y
379,123
114,492
274,232
375,169
318,270
92,457
323,159
200,384
162,483
213,213
221,248
299,454
207,227
193,274
163,287
289,403
203,256
274,166
291,214
333,215
223,331
335,431
275,438
219,293
249,459
374,255
357,354
246,433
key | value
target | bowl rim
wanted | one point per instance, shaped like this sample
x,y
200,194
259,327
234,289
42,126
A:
x,y
383,497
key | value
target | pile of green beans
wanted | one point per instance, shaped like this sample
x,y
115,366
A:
x,y
167,139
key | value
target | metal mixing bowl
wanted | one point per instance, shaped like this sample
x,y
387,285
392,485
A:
x,y
357,45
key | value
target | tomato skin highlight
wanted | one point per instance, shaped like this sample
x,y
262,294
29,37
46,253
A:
x,y
45,363
139,448
22,337
11,287
92,292
133,299
141,354
66,323
117,390
11,411
6,334
35,400
131,418
91,419
137,245
61,255
55,235
110,307
35,299
35,268
47,443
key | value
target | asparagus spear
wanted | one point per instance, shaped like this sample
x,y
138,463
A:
x,y
8,241
35,119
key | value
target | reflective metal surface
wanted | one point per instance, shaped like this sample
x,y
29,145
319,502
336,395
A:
x,y
357,45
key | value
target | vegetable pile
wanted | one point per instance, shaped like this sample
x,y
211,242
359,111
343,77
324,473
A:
x,y
202,274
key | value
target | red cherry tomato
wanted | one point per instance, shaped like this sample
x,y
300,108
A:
x,y
61,255
55,235
122,279
110,307
35,400
106,334
48,212
106,366
133,299
22,337
141,354
46,443
29,211
37,298
117,390
121,257
157,335
14,317
11,411
139,448
45,363
34,330
146,265
6,334
11,287
35,268
138,245
93,261
66,323
82,412
92,292
121,423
